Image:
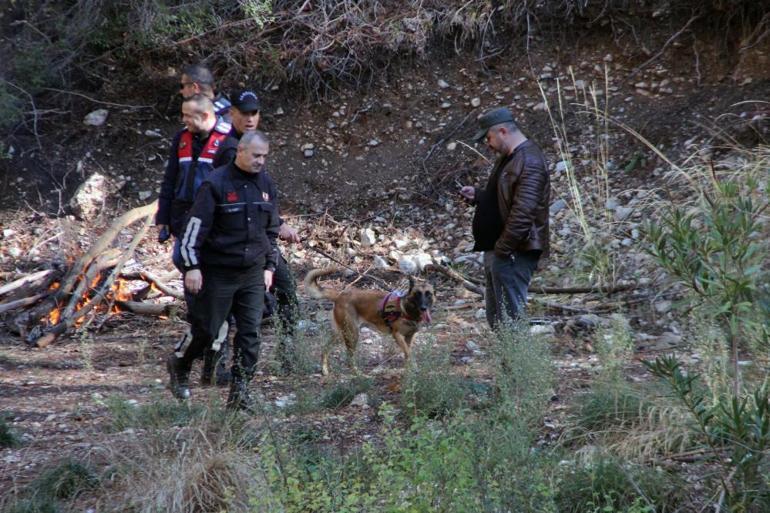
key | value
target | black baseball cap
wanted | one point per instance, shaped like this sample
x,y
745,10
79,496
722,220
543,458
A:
x,y
245,100
492,118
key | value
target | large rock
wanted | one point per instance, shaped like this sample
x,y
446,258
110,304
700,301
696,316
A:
x,y
368,237
88,200
407,265
96,118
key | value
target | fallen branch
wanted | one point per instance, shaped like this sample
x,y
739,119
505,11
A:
x,y
153,280
598,289
472,285
141,308
451,273
378,281
563,308
21,303
36,280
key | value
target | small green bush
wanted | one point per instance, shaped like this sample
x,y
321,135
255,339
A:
x,y
430,387
523,372
341,394
8,437
610,407
159,414
35,505
608,485
65,481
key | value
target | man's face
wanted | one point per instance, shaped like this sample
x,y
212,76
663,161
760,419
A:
x,y
193,118
244,121
494,140
187,87
252,158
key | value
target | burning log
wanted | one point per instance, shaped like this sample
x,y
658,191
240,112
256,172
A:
x,y
88,284
34,281
69,319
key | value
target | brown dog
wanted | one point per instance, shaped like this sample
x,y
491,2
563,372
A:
x,y
383,311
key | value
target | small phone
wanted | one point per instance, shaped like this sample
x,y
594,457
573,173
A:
x,y
163,234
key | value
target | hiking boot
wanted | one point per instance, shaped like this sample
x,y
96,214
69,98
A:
x,y
178,376
215,360
240,398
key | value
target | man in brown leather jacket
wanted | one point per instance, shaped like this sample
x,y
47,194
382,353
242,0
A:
x,y
510,224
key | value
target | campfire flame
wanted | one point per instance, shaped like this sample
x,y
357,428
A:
x,y
119,291
54,316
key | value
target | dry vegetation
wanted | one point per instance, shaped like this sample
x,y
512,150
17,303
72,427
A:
x,y
557,417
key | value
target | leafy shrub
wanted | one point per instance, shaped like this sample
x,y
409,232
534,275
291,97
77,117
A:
x,y
341,394
65,481
8,437
430,387
523,372
714,249
609,485
737,424
158,414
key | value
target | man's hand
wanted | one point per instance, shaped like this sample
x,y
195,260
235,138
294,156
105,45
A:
x,y
468,192
163,233
287,233
193,281
268,279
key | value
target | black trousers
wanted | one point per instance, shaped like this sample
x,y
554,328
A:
x,y
285,290
226,290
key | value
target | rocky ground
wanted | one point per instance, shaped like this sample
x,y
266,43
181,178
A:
x,y
371,180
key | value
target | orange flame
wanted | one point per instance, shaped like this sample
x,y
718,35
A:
x,y
54,316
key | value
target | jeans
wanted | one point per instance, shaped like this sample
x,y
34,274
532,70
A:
x,y
507,281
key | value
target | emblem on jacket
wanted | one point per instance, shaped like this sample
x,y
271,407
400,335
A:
x,y
232,197
265,196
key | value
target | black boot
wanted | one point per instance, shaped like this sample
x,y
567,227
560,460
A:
x,y
240,398
179,375
215,362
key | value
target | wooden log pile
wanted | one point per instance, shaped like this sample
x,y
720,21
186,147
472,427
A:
x,y
45,304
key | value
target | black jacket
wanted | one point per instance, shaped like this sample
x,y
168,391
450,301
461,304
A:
x,y
172,211
233,222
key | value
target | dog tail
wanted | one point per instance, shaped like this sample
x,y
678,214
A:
x,y
315,290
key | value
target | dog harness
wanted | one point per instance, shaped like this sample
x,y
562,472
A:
x,y
391,309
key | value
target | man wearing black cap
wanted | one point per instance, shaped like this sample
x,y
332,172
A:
x,y
510,224
245,115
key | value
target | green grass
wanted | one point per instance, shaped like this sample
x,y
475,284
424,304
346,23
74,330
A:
x,y
609,485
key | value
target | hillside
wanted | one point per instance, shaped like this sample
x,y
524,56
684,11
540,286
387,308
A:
x,y
645,112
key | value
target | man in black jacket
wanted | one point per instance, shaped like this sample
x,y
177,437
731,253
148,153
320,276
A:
x,y
194,154
245,116
511,221
229,252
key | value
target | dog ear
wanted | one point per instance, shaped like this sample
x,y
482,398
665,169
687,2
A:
x,y
411,284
